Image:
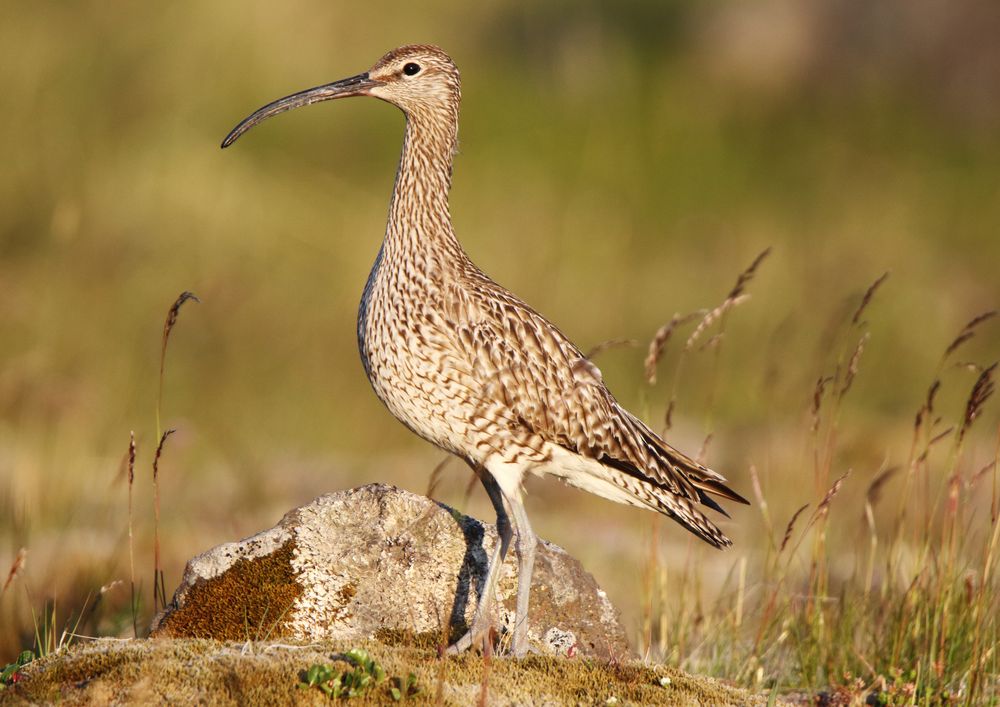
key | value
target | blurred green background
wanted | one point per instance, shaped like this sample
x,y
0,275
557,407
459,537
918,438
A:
x,y
619,162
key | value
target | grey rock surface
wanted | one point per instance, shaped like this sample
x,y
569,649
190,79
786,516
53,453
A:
x,y
379,563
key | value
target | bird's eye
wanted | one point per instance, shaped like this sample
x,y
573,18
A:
x,y
411,69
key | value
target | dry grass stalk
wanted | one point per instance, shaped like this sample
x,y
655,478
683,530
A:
x,y
469,488
712,317
755,485
16,568
444,641
874,491
105,588
968,331
817,400
824,506
659,343
940,436
435,479
172,315
933,441
872,496
703,452
866,300
747,275
758,494
834,490
86,614
791,527
712,342
852,366
741,591
931,394
978,476
611,344
981,392
131,546
995,498
159,590
927,409
484,683
168,325
668,416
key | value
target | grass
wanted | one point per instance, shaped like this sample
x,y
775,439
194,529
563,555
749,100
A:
x,y
640,168
913,621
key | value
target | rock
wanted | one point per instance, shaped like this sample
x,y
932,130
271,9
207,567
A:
x,y
380,563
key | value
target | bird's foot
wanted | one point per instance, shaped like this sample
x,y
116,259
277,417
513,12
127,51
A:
x,y
519,646
480,636
484,639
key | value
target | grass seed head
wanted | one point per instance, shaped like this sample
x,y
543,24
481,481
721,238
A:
x,y
131,458
978,476
747,275
790,527
159,452
981,392
875,487
175,311
610,344
817,399
668,416
968,331
658,344
928,409
824,505
866,300
16,568
852,366
712,317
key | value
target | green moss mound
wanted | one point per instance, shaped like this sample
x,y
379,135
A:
x,y
188,671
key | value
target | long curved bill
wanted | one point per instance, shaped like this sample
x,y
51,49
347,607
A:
x,y
354,86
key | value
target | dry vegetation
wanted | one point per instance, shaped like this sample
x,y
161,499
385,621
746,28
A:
x,y
898,601
640,170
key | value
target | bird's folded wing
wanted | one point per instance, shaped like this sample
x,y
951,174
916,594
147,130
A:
x,y
538,384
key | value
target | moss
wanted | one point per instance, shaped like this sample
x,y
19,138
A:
x,y
223,609
181,671
397,637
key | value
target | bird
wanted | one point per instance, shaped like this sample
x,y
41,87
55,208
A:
x,y
471,368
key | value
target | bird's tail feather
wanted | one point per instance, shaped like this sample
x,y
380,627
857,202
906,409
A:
x,y
685,513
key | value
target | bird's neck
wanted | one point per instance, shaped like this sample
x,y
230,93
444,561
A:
x,y
419,217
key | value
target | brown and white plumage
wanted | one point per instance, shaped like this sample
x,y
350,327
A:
x,y
468,366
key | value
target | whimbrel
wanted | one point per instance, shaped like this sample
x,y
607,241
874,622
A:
x,y
471,368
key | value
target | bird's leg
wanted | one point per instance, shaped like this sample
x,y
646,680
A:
x,y
526,542
482,622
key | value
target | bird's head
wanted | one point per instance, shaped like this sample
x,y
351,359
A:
x,y
420,79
